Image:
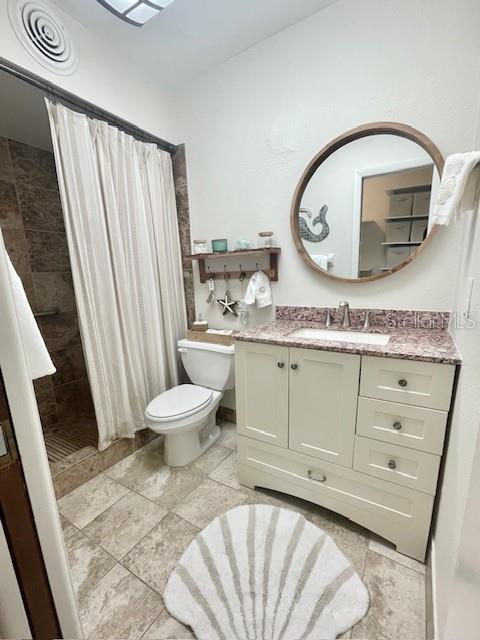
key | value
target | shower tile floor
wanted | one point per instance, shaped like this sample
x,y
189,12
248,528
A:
x,y
126,529
75,440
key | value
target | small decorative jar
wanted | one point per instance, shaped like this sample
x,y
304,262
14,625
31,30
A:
x,y
265,239
200,246
242,244
220,246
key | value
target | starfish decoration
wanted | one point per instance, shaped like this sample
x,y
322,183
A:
x,y
229,305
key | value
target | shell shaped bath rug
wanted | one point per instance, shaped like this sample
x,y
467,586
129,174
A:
x,y
264,573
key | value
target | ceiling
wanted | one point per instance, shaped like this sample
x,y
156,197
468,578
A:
x,y
191,36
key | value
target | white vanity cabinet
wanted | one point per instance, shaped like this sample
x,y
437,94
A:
x,y
323,404
360,435
261,374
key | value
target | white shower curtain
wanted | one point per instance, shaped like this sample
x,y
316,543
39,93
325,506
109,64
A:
x,y
119,204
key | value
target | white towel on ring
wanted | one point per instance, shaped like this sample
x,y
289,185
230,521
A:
x,y
38,359
459,189
259,290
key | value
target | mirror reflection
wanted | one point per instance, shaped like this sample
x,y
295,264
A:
x,y
366,208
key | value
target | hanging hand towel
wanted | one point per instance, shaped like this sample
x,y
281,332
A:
x,y
259,290
38,358
459,189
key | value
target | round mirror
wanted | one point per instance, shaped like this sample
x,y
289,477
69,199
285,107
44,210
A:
x,y
361,210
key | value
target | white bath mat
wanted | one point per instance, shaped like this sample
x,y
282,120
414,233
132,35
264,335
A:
x,y
263,573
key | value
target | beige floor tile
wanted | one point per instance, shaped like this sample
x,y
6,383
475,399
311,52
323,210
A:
x,y
134,470
119,528
84,504
154,558
88,563
397,601
228,437
211,458
170,485
387,549
350,538
119,607
167,628
68,528
226,472
207,501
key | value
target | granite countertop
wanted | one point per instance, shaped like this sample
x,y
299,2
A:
x,y
425,345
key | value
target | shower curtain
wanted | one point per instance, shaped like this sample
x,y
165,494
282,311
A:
x,y
121,222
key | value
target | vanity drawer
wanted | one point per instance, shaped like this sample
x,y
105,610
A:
x,y
413,469
392,511
412,427
426,384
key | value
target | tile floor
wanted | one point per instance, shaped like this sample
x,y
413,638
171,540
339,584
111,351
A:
x,y
126,529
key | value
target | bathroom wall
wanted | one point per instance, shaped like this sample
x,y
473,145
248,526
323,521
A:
x,y
464,433
252,125
31,220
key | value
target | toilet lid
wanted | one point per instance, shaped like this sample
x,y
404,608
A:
x,y
179,401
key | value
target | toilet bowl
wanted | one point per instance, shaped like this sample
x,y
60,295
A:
x,y
186,414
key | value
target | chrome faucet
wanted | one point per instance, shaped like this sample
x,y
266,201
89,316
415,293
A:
x,y
344,309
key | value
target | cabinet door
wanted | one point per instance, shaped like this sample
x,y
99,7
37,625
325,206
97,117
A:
x,y
261,372
323,404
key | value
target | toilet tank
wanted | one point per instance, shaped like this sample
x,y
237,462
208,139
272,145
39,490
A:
x,y
209,365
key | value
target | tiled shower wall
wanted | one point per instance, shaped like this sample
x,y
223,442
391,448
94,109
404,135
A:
x,y
179,162
32,223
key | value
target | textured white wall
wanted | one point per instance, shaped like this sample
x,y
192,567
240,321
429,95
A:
x,y
252,125
464,431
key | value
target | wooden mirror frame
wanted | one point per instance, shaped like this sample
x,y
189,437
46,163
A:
x,y
364,131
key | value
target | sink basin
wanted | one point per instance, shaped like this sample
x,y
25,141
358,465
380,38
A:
x,y
332,335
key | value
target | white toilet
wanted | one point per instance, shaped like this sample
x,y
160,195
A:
x,y
185,415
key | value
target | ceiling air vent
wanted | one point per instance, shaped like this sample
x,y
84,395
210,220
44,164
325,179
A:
x,y
43,35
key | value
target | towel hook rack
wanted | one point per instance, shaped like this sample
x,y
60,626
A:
x,y
206,272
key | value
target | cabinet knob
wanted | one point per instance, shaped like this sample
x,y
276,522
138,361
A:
x,y
397,425
294,366
392,464
321,477
402,382
280,365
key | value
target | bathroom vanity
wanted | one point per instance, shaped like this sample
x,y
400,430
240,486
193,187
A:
x,y
355,426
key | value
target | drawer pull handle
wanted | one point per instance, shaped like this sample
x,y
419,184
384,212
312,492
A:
x,y
320,478
280,365
403,382
392,464
397,425
294,366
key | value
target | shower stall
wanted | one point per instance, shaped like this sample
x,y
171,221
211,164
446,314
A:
x,y
32,224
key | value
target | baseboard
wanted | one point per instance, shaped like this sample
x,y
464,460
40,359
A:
x,y
431,595
225,414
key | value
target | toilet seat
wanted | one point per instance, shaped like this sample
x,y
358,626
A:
x,y
179,402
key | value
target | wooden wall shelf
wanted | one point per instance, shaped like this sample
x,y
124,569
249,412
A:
x,y
205,274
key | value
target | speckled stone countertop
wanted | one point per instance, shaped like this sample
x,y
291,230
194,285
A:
x,y
426,345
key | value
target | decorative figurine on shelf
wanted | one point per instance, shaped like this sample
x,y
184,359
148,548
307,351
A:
x,y
242,244
306,232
